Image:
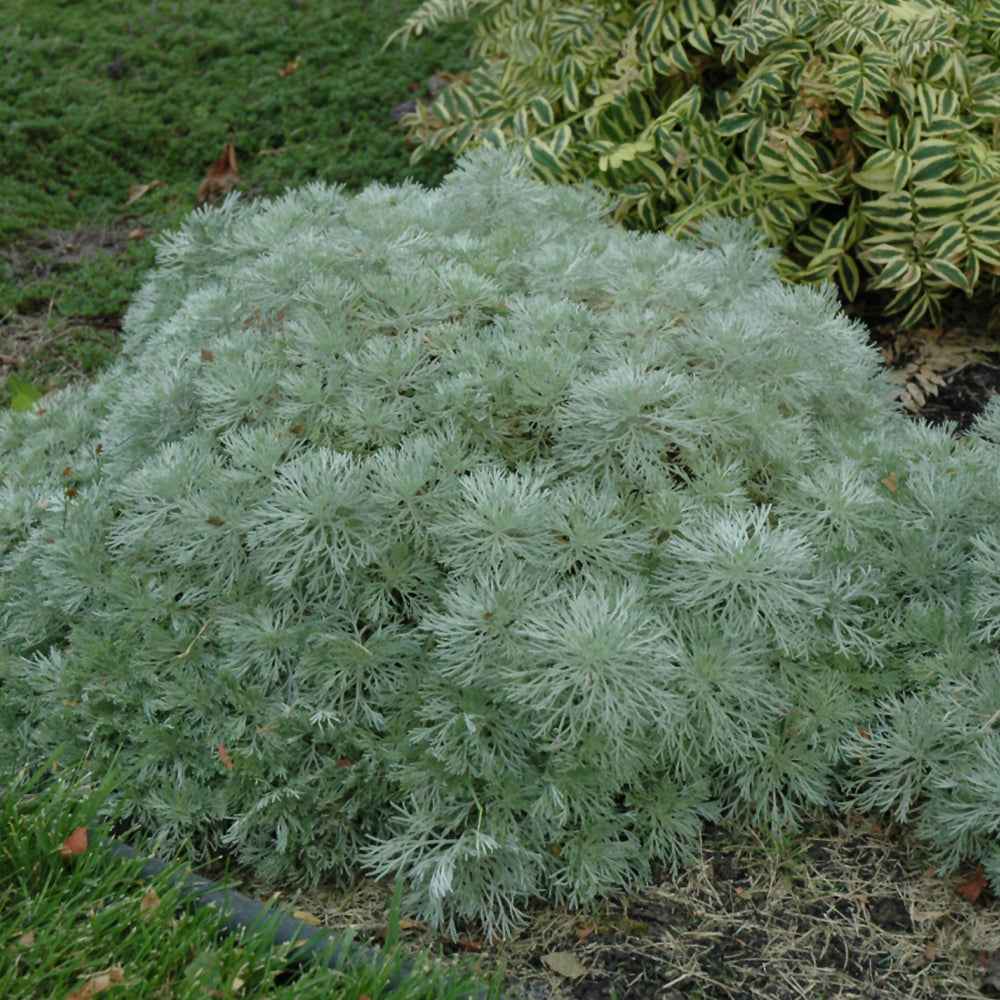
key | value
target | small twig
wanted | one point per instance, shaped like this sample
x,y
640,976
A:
x,y
201,632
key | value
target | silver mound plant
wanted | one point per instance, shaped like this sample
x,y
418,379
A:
x,y
461,537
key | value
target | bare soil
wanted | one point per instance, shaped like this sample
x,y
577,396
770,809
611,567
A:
x,y
854,913
42,333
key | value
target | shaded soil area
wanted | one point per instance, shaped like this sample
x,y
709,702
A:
x,y
945,374
853,913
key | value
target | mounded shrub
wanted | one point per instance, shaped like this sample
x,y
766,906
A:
x,y
859,135
463,537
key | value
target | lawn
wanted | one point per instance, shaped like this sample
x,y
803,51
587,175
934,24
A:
x,y
114,114
76,922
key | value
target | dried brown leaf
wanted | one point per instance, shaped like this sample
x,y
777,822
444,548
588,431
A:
x,y
75,843
135,192
971,889
98,984
565,963
221,178
149,904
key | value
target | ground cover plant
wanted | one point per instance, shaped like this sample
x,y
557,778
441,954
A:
x,y
110,124
463,537
76,924
860,136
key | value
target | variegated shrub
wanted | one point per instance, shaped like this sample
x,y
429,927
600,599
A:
x,y
859,135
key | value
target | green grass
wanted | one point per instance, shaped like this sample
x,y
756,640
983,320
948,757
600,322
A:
x,y
67,921
100,97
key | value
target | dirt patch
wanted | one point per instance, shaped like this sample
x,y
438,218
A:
x,y
37,258
20,337
856,912
41,336
947,373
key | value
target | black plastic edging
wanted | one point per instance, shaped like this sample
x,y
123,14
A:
x,y
238,914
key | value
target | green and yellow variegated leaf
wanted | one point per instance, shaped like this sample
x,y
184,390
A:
x,y
699,40
622,154
542,111
849,277
493,137
885,171
933,160
734,123
753,141
670,25
948,273
899,273
949,242
884,254
985,95
562,139
986,253
713,168
519,125
858,122
984,235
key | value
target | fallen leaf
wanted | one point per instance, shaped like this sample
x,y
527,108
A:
x,y
149,904
207,355
971,889
565,963
75,843
402,924
890,482
135,192
406,924
221,178
306,917
98,984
